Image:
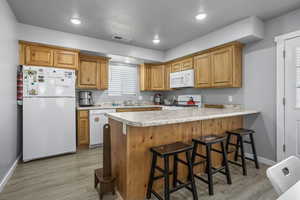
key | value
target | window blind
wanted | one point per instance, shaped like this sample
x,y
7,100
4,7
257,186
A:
x,y
122,79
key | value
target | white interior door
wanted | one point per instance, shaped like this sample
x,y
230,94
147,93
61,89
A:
x,y
292,94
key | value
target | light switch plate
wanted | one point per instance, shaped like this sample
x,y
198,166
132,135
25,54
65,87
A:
x,y
230,99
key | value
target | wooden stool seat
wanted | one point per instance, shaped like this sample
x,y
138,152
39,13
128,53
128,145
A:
x,y
210,139
241,131
173,148
239,145
165,151
99,177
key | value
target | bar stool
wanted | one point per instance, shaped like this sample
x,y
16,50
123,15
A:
x,y
240,133
165,151
208,141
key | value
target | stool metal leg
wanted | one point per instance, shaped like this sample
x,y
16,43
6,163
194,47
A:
x,y
254,151
227,142
151,177
243,156
209,169
175,165
225,159
166,175
237,149
191,178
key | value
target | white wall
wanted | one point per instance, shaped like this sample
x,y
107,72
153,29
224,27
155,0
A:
x,y
247,30
259,83
52,37
9,138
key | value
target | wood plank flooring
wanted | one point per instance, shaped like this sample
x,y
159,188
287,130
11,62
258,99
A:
x,y
70,177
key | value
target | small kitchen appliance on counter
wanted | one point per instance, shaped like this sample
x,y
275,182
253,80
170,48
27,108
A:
x,y
157,99
85,98
189,100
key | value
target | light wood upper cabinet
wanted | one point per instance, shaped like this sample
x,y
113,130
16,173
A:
x,y
144,77
39,56
49,56
187,64
88,73
157,77
92,72
222,67
103,74
65,59
176,67
168,68
202,67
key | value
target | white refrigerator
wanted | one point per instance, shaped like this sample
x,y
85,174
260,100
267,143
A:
x,y
49,120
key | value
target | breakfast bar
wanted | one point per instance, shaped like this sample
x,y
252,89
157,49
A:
x,y
134,133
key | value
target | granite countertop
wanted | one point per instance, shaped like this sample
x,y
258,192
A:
x,y
99,107
157,118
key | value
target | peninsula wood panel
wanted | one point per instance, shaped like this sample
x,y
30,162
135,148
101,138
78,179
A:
x,y
202,67
132,164
66,59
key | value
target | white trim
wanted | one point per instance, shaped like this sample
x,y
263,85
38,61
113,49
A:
x,y
9,174
282,38
280,93
280,114
261,159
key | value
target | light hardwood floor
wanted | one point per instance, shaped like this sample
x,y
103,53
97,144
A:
x,y
70,177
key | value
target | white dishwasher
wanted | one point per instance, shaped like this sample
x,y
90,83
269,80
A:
x,y
97,121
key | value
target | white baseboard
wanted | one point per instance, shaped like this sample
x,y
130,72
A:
x,y
261,159
9,174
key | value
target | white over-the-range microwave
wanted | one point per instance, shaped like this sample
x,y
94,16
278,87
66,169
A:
x,y
182,79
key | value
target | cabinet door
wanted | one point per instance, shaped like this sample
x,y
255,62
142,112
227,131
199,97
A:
x,y
103,75
202,67
176,67
83,131
157,77
39,56
222,67
187,64
167,76
66,59
88,74
144,77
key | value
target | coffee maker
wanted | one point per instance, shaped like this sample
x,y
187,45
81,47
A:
x,y
85,98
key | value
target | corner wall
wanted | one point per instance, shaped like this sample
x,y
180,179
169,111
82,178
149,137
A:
x,y
10,141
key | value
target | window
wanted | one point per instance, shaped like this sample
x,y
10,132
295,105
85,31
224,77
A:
x,y
122,79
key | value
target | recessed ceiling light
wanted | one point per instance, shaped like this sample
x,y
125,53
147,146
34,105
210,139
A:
x,y
156,41
201,16
75,21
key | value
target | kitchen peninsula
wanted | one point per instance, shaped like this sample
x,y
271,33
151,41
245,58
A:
x,y
134,133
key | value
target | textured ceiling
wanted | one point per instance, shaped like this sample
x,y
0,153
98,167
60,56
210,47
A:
x,y
139,20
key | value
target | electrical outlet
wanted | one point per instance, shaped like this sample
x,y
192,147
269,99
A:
x,y
230,99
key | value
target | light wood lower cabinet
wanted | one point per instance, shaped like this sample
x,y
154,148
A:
x,y
92,72
83,128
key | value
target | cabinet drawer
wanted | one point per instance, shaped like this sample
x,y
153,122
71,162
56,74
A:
x,y
83,114
187,64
